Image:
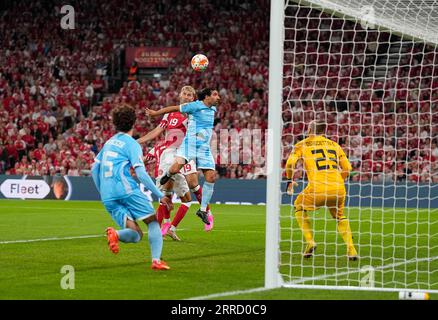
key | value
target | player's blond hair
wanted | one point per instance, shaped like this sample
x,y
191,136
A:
x,y
189,89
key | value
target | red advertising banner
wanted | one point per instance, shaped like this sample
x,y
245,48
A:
x,y
151,57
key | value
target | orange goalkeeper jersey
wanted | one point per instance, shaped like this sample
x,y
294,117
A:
x,y
325,162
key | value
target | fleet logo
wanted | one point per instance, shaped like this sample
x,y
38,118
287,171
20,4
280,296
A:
x,y
25,189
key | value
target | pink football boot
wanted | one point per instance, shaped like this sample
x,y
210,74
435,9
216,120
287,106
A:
x,y
165,228
208,227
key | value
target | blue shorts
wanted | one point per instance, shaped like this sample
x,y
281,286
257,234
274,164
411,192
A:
x,y
198,152
134,207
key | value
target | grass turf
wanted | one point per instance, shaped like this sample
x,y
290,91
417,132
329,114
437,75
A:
x,y
229,258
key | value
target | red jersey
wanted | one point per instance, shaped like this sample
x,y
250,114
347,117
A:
x,y
155,154
175,124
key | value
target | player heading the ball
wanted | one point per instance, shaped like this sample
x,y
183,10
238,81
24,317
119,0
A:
x,y
196,143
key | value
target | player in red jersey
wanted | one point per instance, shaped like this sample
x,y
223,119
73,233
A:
x,y
175,126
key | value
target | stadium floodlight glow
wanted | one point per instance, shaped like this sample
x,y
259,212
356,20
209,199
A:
x,y
367,68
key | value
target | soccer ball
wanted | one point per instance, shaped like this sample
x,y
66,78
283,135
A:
x,y
199,62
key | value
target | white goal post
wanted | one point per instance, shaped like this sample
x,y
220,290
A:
x,y
369,69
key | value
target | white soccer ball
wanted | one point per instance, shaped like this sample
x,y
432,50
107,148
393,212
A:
x,y
199,62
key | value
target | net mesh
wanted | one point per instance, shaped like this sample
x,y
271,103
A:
x,y
377,89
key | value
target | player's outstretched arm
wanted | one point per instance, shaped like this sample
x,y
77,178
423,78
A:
x,y
290,166
151,135
156,113
345,167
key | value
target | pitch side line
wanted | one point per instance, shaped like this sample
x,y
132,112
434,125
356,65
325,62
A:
x,y
57,208
51,239
230,293
104,211
98,236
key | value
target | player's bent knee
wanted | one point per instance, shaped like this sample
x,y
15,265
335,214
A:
x,y
180,161
140,235
150,219
134,226
192,180
298,209
186,198
210,176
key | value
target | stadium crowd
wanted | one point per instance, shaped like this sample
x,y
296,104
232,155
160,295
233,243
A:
x,y
388,126
55,104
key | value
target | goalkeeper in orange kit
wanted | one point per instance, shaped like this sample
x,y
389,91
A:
x,y
326,166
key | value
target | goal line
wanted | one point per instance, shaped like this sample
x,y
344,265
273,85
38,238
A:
x,y
300,283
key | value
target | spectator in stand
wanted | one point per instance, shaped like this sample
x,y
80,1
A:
x,y
73,170
20,146
98,87
3,158
12,153
69,116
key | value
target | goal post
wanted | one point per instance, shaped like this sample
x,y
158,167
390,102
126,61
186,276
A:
x,y
273,196
368,69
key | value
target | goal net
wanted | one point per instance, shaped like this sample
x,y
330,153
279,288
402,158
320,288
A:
x,y
368,69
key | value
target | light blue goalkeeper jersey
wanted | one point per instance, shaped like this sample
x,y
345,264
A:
x,y
116,158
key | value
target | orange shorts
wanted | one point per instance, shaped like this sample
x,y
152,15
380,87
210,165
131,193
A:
x,y
312,199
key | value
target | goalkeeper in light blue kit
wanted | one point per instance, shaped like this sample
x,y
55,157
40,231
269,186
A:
x,y
196,143
119,191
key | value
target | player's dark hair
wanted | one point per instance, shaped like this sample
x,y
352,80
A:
x,y
123,118
206,92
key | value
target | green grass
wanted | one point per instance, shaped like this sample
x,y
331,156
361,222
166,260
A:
x,y
230,258
381,241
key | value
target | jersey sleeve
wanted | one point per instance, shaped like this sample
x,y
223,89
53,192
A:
x,y
343,160
135,155
150,156
294,156
164,122
188,107
98,158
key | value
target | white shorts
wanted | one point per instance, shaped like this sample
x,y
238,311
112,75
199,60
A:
x,y
189,168
180,186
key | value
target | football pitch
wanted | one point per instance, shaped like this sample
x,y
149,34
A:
x,y
39,238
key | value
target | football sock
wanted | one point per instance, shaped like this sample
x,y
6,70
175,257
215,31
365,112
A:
x,y
304,223
207,193
183,208
155,240
162,213
128,235
198,193
345,231
166,214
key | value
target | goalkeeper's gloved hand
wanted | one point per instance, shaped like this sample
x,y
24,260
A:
x,y
290,187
